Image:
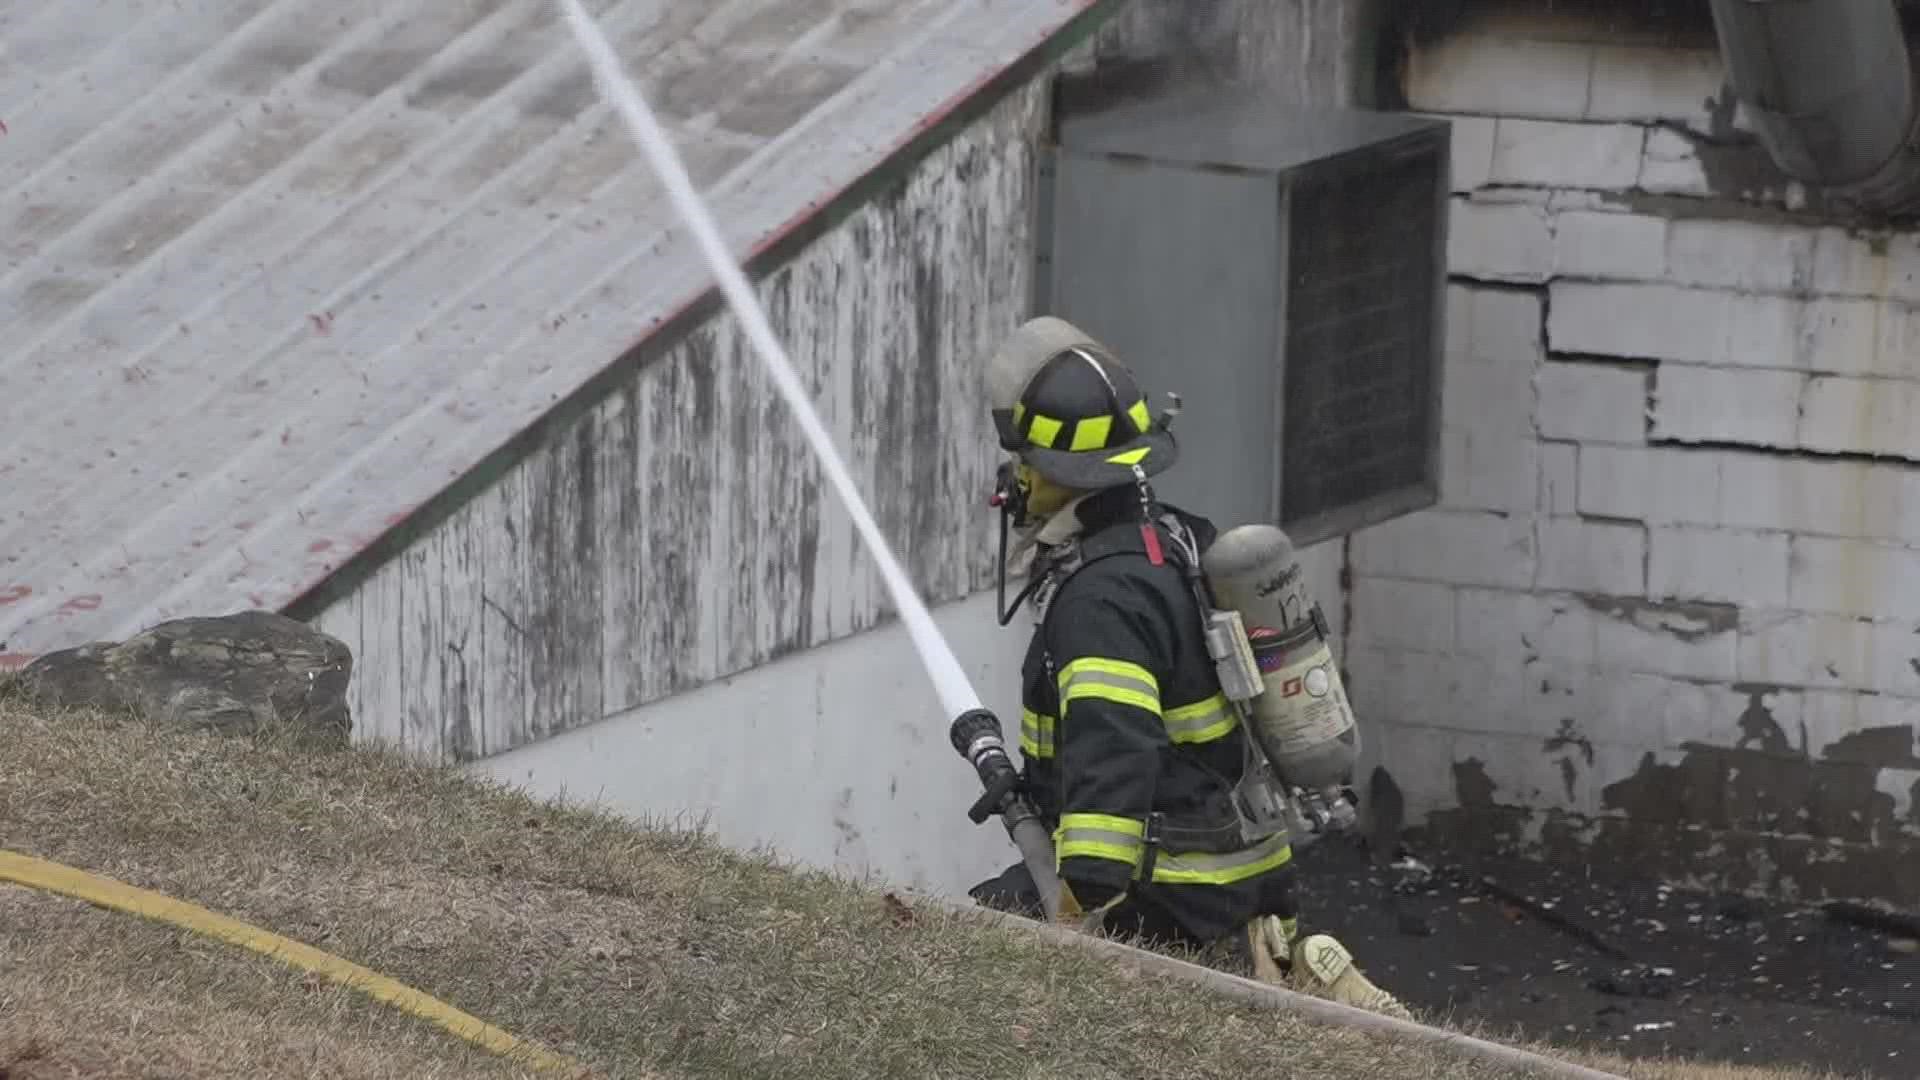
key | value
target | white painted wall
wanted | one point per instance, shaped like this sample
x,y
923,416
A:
x,y
1650,366
836,757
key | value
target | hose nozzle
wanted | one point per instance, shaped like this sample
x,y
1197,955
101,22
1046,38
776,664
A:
x,y
975,734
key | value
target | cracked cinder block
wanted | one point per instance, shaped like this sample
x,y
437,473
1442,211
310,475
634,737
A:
x,y
1819,497
1652,484
1462,547
1680,712
1410,687
1471,148
1749,256
1842,414
1797,648
1503,622
1590,402
1685,640
1659,321
1601,244
1545,153
1500,241
1490,396
1499,75
1655,83
1854,577
1875,265
1489,469
1592,556
1734,566
1835,725
1671,165
1402,614
1858,337
1558,492
1693,403
1493,345
1503,325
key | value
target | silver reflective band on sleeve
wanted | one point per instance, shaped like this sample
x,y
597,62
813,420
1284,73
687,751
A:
x,y
1109,680
1202,721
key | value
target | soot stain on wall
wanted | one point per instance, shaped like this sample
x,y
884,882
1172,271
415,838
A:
x,y
1763,815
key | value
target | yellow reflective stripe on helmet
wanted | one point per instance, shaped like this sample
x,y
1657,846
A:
x,y
1141,418
1091,432
1019,410
1203,869
1100,836
1109,680
1131,457
1036,734
1202,721
1045,429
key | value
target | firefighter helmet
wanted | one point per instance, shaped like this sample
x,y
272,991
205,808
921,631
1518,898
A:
x,y
1071,410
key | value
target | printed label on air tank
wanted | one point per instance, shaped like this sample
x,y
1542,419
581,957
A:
x,y
1303,705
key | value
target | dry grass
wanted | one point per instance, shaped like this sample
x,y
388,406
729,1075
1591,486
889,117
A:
x,y
90,993
638,950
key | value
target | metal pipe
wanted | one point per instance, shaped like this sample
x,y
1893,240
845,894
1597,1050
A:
x,y
1830,89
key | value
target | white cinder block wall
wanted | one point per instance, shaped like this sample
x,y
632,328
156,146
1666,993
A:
x,y
1668,611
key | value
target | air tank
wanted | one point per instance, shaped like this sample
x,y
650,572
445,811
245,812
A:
x,y
1302,717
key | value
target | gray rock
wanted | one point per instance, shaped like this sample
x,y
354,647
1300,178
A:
x,y
237,674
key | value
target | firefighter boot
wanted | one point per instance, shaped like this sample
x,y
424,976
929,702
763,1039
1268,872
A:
x,y
1317,964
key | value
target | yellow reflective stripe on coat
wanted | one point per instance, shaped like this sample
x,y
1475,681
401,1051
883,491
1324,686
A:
x,y
1036,734
1109,680
1204,869
1202,721
1100,836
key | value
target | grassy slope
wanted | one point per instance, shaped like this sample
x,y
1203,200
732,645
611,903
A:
x,y
639,951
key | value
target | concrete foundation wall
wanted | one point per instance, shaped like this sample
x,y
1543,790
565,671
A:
x,y
836,757
1669,609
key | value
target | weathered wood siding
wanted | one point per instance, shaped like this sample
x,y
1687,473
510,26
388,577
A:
x,y
680,531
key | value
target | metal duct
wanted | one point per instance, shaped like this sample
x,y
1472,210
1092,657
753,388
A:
x,y
1830,90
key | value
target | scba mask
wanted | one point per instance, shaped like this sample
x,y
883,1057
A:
x,y
1013,487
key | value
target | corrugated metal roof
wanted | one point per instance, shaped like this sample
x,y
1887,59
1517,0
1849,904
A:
x,y
277,271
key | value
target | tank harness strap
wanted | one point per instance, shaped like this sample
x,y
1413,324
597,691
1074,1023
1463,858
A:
x,y
1150,856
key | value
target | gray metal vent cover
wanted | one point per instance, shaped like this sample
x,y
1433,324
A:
x,y
1285,272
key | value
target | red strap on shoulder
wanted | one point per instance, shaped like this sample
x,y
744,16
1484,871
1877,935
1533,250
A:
x,y
1152,537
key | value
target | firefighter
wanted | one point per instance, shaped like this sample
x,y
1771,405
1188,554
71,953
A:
x,y
1132,754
